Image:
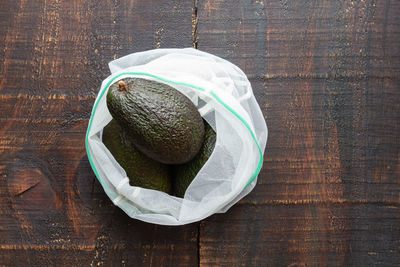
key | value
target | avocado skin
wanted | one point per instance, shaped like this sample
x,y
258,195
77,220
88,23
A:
x,y
141,170
163,123
185,173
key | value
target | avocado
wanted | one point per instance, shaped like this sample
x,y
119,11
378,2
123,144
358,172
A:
x,y
162,122
141,170
185,173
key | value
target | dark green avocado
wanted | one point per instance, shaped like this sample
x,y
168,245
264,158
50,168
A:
x,y
185,173
162,122
141,170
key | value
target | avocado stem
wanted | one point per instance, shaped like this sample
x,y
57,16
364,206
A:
x,y
122,86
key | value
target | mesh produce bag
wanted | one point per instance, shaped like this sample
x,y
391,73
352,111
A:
x,y
224,97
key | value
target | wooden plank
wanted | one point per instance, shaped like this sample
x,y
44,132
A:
x,y
54,55
327,77
64,47
295,235
319,163
47,218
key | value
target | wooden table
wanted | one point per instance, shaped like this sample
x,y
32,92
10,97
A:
x,y
325,73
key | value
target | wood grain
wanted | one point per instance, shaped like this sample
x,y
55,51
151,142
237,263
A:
x,y
325,73
327,76
293,235
54,55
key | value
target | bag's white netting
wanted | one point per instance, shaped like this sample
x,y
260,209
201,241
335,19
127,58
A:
x,y
224,98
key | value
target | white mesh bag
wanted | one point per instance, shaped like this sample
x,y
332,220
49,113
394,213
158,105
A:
x,y
224,97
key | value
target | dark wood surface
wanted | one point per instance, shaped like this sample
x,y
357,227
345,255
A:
x,y
325,73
